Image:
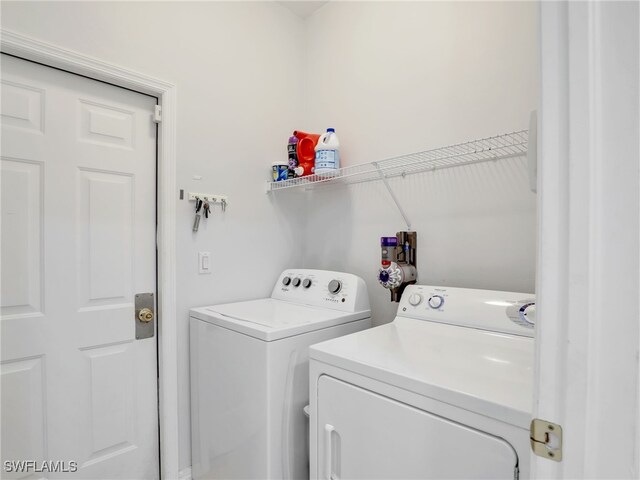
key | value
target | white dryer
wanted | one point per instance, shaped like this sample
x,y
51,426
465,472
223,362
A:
x,y
250,373
443,391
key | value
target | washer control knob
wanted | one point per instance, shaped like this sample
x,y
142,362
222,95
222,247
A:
x,y
286,281
296,282
306,283
415,299
435,301
335,286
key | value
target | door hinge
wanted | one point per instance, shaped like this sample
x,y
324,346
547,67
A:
x,y
546,439
157,114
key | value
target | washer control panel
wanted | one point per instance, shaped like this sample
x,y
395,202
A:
x,y
335,290
492,310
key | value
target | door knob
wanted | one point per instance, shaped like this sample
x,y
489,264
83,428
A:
x,y
145,315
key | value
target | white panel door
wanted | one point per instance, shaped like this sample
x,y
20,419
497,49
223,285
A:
x,y
363,435
78,242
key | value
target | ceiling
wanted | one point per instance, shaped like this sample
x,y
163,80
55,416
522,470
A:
x,y
303,8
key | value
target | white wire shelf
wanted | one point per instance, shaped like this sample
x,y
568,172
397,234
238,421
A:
x,y
500,147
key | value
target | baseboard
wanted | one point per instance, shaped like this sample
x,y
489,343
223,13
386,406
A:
x,y
184,474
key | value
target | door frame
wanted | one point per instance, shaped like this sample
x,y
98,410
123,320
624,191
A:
x,y
74,62
587,335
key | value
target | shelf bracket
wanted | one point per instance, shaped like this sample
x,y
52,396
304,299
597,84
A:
x,y
383,177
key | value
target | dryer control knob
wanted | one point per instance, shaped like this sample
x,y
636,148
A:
x,y
306,283
435,301
286,281
415,299
296,282
335,286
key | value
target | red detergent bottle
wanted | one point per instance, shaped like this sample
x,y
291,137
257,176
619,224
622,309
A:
x,y
306,152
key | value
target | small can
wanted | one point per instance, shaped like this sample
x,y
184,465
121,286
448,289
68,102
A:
x,y
292,153
279,171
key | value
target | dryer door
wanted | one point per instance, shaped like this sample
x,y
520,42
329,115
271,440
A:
x,y
363,435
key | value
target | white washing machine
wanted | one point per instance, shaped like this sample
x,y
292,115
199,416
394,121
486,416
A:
x,y
443,391
250,373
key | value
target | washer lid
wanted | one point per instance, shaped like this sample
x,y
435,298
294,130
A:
x,y
270,319
486,372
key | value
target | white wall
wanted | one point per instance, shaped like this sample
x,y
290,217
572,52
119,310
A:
x,y
399,77
237,67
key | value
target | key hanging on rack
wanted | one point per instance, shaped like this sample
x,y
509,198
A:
x,y
196,221
207,208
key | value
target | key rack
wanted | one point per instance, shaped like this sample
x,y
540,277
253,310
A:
x,y
209,197
499,147
203,205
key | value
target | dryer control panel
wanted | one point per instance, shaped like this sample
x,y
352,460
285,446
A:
x,y
492,310
322,288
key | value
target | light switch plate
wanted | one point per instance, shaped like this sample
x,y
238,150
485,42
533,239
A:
x,y
204,262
